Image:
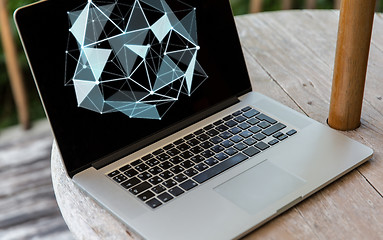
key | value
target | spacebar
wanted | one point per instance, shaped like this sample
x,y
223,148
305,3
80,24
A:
x,y
217,169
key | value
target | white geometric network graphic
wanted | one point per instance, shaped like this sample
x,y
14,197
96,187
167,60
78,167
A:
x,y
136,57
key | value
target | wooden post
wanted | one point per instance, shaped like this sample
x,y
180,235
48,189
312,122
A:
x,y
337,4
310,4
354,37
287,4
13,66
255,6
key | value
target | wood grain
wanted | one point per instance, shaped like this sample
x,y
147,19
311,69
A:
x,y
13,66
353,45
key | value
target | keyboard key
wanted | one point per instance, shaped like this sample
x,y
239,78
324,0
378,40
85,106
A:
x,y
169,183
207,154
126,167
144,176
142,167
235,130
187,164
178,142
147,157
250,141
255,129
183,147
176,160
219,168
153,203
191,172
166,165
276,128
246,109
208,127
221,156
189,184
146,195
198,132
264,125
176,191
163,157
231,123
137,162
227,143
253,121
225,135
227,118
281,138
237,113
262,146
180,178
158,152
155,180
240,119
277,135
201,167
155,170
120,178
173,152
158,189
244,125
246,134
130,173
193,142
168,147
177,169
273,142
203,137
216,140
165,197
197,150
222,128
197,159
251,113
186,155
152,162
206,145
217,123
259,136
231,151
212,133
217,149
131,182
291,132
114,173
140,188
236,139
263,117
240,146
211,161
188,137
251,151
166,175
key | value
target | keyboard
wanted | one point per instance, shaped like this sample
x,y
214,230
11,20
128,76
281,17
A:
x,y
169,172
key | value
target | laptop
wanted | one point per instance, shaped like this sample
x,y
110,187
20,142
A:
x,y
153,112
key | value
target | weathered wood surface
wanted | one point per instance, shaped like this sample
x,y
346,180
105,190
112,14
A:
x,y
290,57
28,208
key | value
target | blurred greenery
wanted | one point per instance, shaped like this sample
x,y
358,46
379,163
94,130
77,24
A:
x,y
8,115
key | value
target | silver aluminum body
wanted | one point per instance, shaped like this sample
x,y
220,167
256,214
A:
x,y
314,157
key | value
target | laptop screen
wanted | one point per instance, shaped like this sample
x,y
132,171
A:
x,y
113,74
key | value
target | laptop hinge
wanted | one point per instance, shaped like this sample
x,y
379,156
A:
x,y
164,133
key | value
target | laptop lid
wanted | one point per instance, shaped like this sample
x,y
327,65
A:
x,y
115,76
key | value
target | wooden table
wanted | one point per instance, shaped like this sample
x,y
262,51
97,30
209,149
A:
x,y
290,57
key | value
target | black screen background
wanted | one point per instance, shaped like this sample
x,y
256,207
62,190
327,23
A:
x,y
84,136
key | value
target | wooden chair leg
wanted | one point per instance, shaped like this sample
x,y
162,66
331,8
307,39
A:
x,y
255,6
354,37
13,67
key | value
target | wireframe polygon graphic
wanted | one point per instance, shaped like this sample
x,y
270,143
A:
x,y
136,57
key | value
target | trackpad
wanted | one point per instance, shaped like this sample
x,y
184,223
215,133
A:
x,y
260,186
